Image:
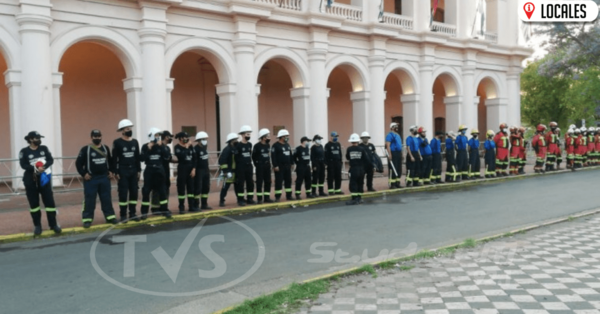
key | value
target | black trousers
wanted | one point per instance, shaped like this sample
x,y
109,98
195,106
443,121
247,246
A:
x,y
154,181
263,182
413,168
201,186
185,185
490,163
436,166
318,176
224,190
244,177
452,174
426,169
283,177
154,199
462,163
303,176
98,185
369,174
334,177
357,182
474,164
396,161
128,191
34,190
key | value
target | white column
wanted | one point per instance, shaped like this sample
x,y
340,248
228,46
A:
x,y
465,16
12,78
301,99
318,119
152,35
513,83
376,111
247,100
453,105
410,112
57,168
496,112
425,114
469,110
133,88
36,103
227,107
422,14
508,35
169,88
360,106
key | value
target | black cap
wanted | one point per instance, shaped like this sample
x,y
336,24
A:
x,y
181,135
304,138
166,133
33,134
317,137
95,132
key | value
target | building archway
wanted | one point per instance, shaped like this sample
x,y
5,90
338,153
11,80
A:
x,y
92,95
488,95
446,104
275,104
400,107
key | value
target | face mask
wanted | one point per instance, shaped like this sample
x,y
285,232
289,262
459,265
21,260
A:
x,y
335,139
247,137
268,141
156,139
185,140
169,141
37,142
204,142
463,132
287,139
128,133
505,130
318,142
366,140
474,136
96,141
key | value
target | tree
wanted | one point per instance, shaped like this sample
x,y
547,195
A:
x,y
584,94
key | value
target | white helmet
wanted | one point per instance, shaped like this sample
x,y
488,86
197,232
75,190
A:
x,y
592,129
365,134
577,131
572,126
263,132
354,138
583,129
152,133
231,136
201,135
245,129
393,124
282,132
571,131
413,127
123,124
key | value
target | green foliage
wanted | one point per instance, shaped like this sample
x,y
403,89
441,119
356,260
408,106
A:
x,y
469,243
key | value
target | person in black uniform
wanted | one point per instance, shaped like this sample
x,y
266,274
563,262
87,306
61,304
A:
x,y
333,159
462,157
126,158
95,165
281,157
167,138
154,156
186,171
202,178
244,169
36,159
227,165
302,161
262,162
359,162
370,150
452,174
317,159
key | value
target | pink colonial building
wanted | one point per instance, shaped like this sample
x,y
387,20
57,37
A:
x,y
213,65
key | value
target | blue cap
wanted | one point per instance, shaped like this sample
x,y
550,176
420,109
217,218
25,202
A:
x,y
334,134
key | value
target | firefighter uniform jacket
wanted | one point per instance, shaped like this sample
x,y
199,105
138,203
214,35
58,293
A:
x,y
424,147
317,154
260,155
302,156
243,157
94,160
461,142
358,158
333,152
281,155
227,159
185,156
126,155
201,156
29,157
154,157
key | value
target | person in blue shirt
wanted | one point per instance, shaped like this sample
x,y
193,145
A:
x,y
474,163
490,155
462,158
393,146
436,160
425,151
413,158
452,174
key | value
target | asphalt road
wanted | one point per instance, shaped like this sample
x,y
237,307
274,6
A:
x,y
60,275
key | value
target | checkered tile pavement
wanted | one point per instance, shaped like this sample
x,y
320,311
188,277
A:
x,y
550,270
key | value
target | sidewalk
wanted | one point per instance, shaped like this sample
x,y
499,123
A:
x,y
15,217
554,269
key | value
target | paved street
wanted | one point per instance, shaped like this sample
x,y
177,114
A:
x,y
62,277
554,269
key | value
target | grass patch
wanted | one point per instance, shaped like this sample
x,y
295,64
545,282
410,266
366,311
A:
x,y
285,301
447,251
522,232
366,269
508,234
387,265
570,218
469,243
424,254
406,267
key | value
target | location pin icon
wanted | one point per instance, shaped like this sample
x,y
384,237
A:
x,y
529,8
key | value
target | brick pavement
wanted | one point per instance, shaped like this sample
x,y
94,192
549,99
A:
x,y
549,270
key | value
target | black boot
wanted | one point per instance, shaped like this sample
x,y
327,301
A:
x,y
288,196
268,199
193,208
322,192
37,230
250,201
241,201
298,197
259,199
181,208
222,203
205,204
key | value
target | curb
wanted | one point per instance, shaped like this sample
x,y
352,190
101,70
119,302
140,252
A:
x,y
412,257
18,237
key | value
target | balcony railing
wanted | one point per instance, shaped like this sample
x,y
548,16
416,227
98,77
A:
x,y
444,28
349,12
493,37
285,4
403,21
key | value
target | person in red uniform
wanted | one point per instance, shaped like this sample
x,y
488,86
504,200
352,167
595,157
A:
x,y
579,148
501,140
515,150
570,148
539,145
523,151
591,146
552,142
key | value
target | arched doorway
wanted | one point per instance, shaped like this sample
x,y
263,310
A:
x,y
275,105
486,90
339,105
91,96
446,104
